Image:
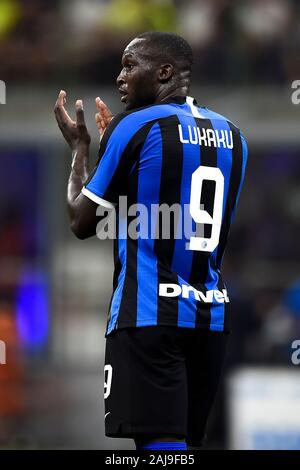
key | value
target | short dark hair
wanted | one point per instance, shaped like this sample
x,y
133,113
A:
x,y
170,47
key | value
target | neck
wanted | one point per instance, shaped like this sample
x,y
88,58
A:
x,y
165,94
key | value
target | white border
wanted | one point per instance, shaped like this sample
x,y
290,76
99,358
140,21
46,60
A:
x,y
97,199
194,109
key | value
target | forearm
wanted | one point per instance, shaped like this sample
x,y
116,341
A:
x,y
78,176
82,210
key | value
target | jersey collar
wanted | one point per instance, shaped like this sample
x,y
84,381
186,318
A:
x,y
178,100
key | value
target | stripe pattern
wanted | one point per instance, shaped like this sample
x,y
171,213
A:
x,y
150,155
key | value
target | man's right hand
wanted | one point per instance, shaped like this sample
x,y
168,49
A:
x,y
74,132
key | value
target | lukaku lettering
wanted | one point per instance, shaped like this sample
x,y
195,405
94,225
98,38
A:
x,y
207,137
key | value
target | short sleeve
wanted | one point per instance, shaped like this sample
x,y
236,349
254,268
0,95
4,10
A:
x,y
117,154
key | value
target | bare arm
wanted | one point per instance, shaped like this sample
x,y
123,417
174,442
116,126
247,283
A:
x,y
82,211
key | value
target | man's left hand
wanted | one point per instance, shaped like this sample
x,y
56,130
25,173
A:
x,y
103,116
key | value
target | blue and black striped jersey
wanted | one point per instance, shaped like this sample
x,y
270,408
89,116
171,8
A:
x,y
180,156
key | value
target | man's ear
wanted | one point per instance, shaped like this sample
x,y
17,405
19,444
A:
x,y
165,72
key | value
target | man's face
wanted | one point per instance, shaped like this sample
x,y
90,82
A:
x,y
137,81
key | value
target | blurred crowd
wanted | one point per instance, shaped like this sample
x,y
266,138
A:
x,y
262,268
45,300
235,42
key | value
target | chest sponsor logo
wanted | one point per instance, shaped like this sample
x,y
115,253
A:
x,y
186,292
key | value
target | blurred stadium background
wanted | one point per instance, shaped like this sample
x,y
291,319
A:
x,y
54,289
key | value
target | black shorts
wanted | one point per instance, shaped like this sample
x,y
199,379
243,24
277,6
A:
x,y
161,381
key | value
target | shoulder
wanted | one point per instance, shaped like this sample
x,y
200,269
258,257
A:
x,y
214,116
133,120
234,128
129,128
